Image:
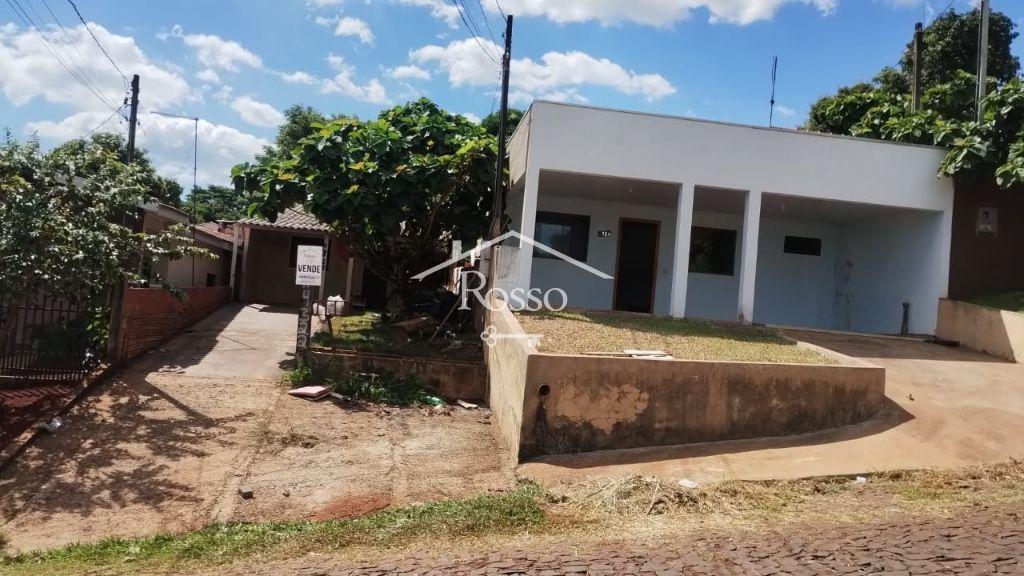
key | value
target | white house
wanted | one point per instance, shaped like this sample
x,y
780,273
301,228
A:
x,y
724,221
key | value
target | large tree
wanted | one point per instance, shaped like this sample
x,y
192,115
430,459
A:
x,y
66,218
950,56
396,190
491,122
217,203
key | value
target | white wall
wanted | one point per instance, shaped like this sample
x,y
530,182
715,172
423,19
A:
x,y
589,140
888,261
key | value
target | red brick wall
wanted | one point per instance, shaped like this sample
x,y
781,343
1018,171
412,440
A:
x,y
152,315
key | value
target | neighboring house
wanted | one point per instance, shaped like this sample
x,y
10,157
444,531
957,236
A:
x,y
268,264
722,221
988,240
193,271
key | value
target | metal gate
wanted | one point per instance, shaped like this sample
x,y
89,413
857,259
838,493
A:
x,y
45,340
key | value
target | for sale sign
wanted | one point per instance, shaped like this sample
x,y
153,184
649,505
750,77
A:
x,y
309,265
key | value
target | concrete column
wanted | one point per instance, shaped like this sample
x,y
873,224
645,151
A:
x,y
681,259
528,221
748,256
348,278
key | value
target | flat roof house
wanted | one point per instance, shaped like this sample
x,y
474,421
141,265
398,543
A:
x,y
723,221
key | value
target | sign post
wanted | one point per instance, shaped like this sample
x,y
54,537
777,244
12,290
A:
x,y
309,269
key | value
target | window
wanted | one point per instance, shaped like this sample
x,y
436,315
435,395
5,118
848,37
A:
x,y
712,251
567,233
301,241
211,280
803,246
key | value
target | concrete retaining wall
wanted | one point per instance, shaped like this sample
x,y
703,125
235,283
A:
x,y
152,315
452,380
995,332
552,404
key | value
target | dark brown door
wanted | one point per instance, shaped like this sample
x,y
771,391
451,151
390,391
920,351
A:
x,y
637,266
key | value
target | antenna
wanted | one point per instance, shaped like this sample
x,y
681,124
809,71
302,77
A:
x,y
195,169
771,111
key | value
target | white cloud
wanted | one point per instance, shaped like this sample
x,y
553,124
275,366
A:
x,y
209,75
298,77
166,140
656,12
326,21
408,73
324,3
28,71
440,9
785,111
349,26
223,94
344,83
216,52
471,117
557,74
257,113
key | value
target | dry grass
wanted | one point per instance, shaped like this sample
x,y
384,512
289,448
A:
x,y
580,332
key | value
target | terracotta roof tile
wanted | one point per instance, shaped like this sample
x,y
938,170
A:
x,y
291,219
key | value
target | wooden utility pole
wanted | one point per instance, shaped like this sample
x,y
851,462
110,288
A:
x,y
918,65
115,351
133,117
498,207
982,58
771,101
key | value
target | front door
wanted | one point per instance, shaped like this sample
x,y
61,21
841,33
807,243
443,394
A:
x,y
637,265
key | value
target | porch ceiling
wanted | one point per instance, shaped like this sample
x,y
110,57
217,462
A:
x,y
781,207
607,188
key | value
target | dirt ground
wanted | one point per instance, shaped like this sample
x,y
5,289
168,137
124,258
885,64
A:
x,y
165,445
947,407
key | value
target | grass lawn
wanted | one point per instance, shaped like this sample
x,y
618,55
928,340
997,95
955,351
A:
x,y
580,332
1012,301
366,332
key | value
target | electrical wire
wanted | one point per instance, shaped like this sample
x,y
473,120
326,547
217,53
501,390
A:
x,y
29,23
475,36
500,11
100,125
97,40
487,21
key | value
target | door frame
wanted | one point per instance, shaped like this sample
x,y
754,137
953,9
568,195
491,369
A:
x,y
654,269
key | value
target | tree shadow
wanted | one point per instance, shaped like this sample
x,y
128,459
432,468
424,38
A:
x,y
119,447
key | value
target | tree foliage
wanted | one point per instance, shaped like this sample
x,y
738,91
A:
x,y
491,121
397,190
882,109
217,203
64,218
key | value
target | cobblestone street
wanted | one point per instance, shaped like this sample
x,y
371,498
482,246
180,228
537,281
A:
x,y
982,542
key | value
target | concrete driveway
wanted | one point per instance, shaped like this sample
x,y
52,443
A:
x,y
165,444
948,407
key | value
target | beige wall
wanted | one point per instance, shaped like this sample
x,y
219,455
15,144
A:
x,y
552,404
995,332
268,279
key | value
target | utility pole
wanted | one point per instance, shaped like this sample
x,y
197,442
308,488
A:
x,y
771,102
133,118
115,351
983,57
498,208
918,65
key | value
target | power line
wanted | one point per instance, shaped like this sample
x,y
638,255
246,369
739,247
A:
x,y
500,11
83,62
30,24
97,40
100,125
476,37
487,21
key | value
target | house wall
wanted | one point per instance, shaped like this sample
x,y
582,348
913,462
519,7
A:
x,y
268,279
179,272
995,332
891,260
862,268
983,263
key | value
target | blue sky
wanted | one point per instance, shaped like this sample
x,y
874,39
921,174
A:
x,y
238,63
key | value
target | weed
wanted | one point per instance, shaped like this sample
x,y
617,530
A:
x,y
299,376
502,513
385,387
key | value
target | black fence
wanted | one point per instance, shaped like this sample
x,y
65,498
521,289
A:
x,y
45,340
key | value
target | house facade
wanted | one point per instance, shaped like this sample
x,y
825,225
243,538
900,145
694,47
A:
x,y
267,267
712,220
